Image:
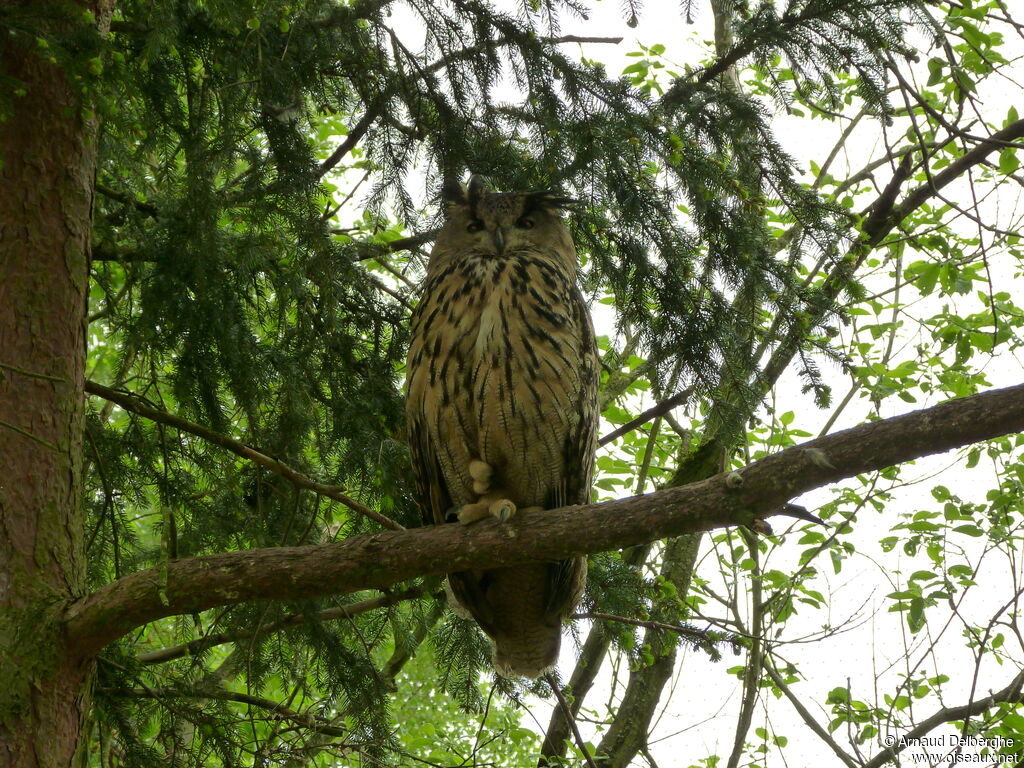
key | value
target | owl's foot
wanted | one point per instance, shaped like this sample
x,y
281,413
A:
x,y
502,509
481,472
470,513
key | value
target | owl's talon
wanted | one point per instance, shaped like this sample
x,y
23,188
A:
x,y
503,509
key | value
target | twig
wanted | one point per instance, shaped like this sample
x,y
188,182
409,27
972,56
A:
x,y
32,374
805,714
1010,694
651,413
698,635
134,403
570,719
29,435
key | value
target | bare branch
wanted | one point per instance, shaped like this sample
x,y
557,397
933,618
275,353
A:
x,y
805,714
651,413
950,173
553,684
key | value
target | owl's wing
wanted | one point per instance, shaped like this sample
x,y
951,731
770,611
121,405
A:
x,y
580,441
567,578
431,489
566,581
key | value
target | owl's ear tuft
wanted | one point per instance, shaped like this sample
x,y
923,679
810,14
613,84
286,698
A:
x,y
452,192
477,187
550,200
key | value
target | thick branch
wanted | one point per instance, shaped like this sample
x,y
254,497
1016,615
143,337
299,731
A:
x,y
377,560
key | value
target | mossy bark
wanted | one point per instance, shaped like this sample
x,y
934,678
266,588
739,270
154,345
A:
x,y
46,182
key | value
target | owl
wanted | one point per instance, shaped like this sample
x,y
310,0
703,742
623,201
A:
x,y
501,403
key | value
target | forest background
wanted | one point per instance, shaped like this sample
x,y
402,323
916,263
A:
x,y
214,219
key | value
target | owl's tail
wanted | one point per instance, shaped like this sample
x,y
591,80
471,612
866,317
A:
x,y
526,633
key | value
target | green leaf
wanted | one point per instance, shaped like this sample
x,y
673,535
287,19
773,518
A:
x,y
915,616
1008,162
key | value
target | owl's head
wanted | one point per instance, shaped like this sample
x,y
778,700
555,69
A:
x,y
483,223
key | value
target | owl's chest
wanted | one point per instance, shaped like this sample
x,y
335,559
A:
x,y
515,310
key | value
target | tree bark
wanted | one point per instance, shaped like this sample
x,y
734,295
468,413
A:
x,y
48,156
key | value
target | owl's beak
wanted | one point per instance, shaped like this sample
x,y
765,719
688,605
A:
x,y
499,239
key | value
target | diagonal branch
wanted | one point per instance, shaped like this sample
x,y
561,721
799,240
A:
x,y
136,404
651,413
806,715
316,723
947,175
378,560
1013,693
329,614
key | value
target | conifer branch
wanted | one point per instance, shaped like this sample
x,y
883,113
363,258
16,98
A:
x,y
315,723
137,405
747,46
377,560
699,637
372,251
147,208
376,109
329,614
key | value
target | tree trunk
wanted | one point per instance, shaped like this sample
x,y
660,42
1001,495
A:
x,y
46,181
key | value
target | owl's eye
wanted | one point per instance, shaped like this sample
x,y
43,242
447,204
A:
x,y
525,223
474,226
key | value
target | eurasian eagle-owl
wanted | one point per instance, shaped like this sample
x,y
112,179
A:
x,y
501,403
